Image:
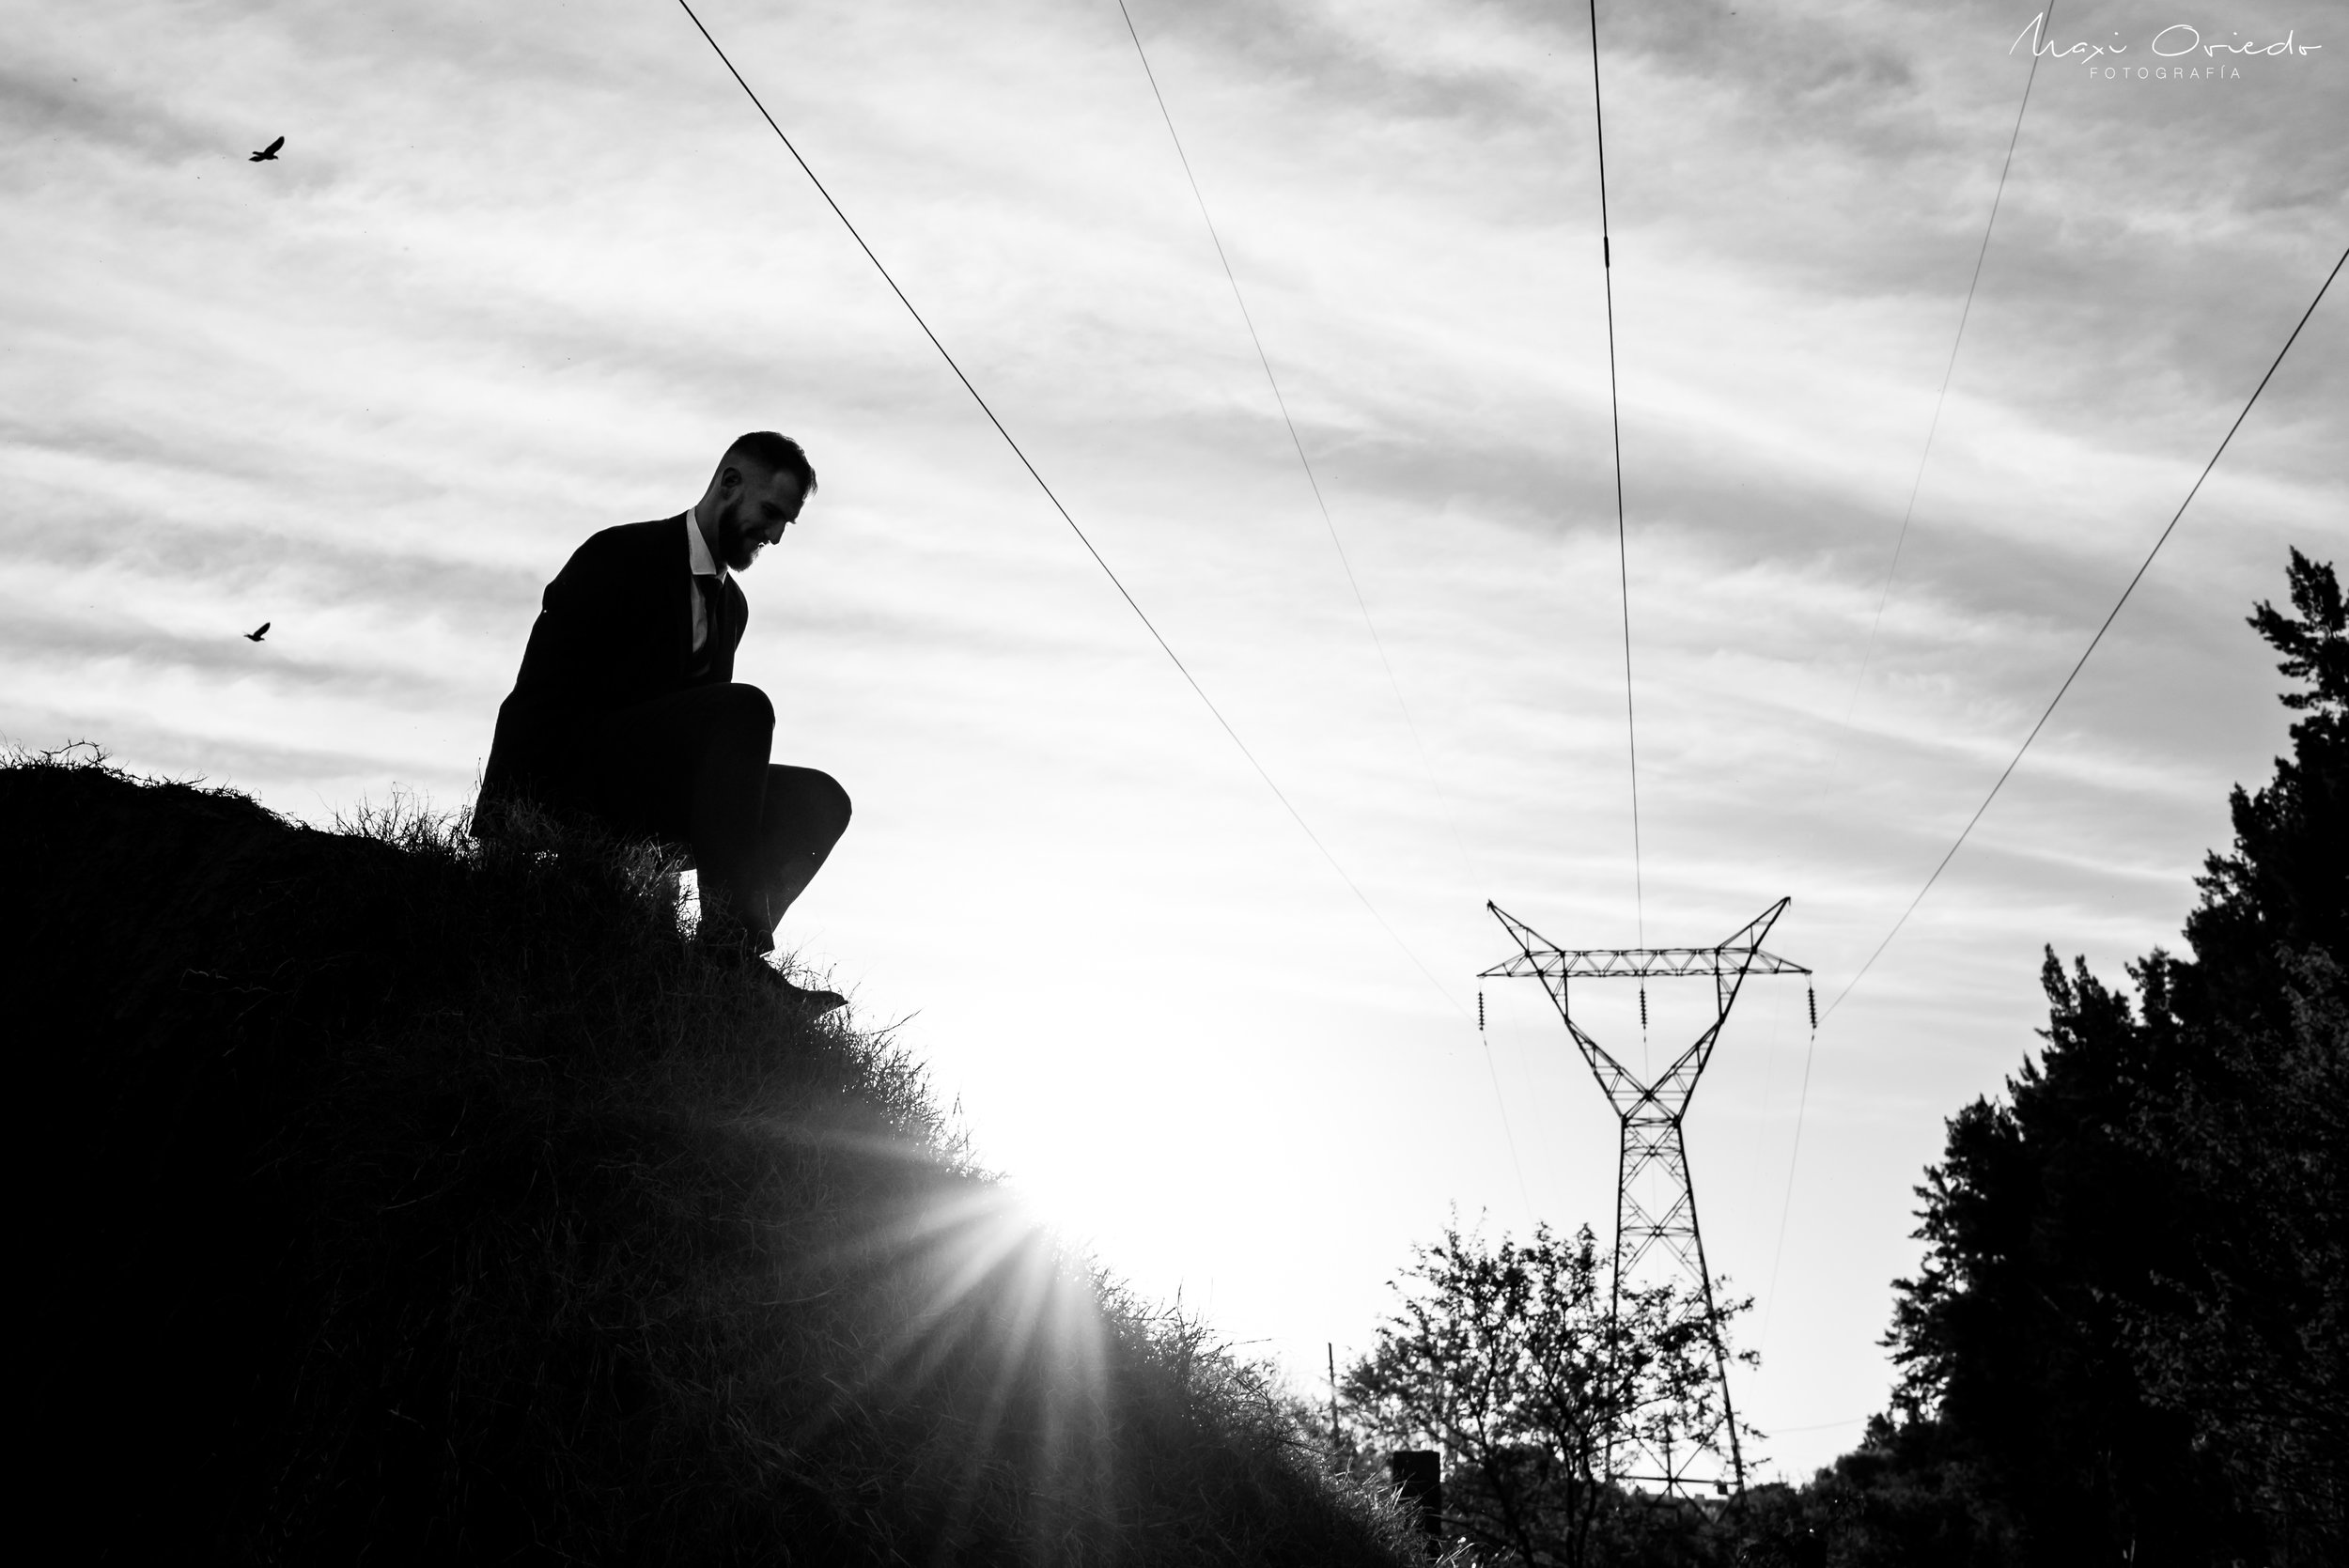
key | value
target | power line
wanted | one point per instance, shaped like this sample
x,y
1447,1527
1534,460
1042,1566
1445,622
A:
x,y
1277,793
1787,1203
1281,401
1017,452
1313,482
1821,1427
1802,1102
2099,637
1623,547
1868,650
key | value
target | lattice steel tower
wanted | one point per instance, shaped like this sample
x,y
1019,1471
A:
x,y
1661,1233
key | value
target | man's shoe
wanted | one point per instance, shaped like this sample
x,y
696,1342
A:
x,y
736,952
814,1004
811,1003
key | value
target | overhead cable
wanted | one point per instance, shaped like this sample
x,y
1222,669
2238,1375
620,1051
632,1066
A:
x,y
1313,482
1786,1203
1892,569
1066,517
1623,547
2135,578
1802,1103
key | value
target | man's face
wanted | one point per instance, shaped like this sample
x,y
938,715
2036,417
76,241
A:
x,y
754,509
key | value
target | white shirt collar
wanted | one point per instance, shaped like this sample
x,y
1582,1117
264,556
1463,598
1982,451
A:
x,y
697,549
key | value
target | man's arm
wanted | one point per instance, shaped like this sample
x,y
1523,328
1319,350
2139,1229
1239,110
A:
x,y
741,618
570,658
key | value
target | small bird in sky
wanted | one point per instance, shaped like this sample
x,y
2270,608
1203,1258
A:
x,y
268,153
258,632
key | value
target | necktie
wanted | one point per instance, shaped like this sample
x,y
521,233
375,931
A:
x,y
706,584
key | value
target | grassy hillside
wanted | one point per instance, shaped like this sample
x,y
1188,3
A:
x,y
394,1198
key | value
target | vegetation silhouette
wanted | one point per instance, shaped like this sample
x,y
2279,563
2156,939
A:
x,y
1518,1360
2131,1316
391,1196
400,1198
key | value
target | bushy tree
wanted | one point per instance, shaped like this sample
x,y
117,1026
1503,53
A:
x,y
2129,1321
2250,1339
1508,1359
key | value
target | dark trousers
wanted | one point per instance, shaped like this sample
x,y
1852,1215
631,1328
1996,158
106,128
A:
x,y
691,769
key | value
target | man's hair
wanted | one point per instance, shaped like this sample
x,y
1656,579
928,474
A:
x,y
776,454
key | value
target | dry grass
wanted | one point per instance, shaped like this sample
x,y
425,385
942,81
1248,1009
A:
x,y
401,1198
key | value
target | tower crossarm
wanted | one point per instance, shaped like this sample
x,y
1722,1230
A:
x,y
1537,956
1640,963
1727,965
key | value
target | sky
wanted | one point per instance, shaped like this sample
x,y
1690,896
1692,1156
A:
x,y
523,271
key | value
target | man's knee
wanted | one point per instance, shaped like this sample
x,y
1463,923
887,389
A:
x,y
827,803
812,799
745,707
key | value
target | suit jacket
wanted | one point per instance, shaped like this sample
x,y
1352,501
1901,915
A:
x,y
615,629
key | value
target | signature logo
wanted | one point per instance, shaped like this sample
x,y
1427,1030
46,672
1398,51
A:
x,y
2179,52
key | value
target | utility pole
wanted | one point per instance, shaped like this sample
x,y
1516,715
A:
x,y
1335,1448
1659,1237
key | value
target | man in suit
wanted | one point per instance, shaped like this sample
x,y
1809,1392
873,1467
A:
x,y
626,710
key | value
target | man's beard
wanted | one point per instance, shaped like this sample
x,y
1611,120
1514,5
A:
x,y
735,545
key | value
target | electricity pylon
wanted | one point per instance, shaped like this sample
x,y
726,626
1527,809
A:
x,y
1654,1146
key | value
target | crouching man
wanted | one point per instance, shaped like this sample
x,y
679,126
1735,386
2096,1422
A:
x,y
626,709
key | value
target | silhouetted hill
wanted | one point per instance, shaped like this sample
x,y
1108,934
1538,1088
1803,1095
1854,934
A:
x,y
392,1198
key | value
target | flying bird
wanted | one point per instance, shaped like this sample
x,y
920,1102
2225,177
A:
x,y
268,153
258,632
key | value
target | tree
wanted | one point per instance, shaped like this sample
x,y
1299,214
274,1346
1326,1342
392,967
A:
x,y
1509,1360
2129,1317
2252,1338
